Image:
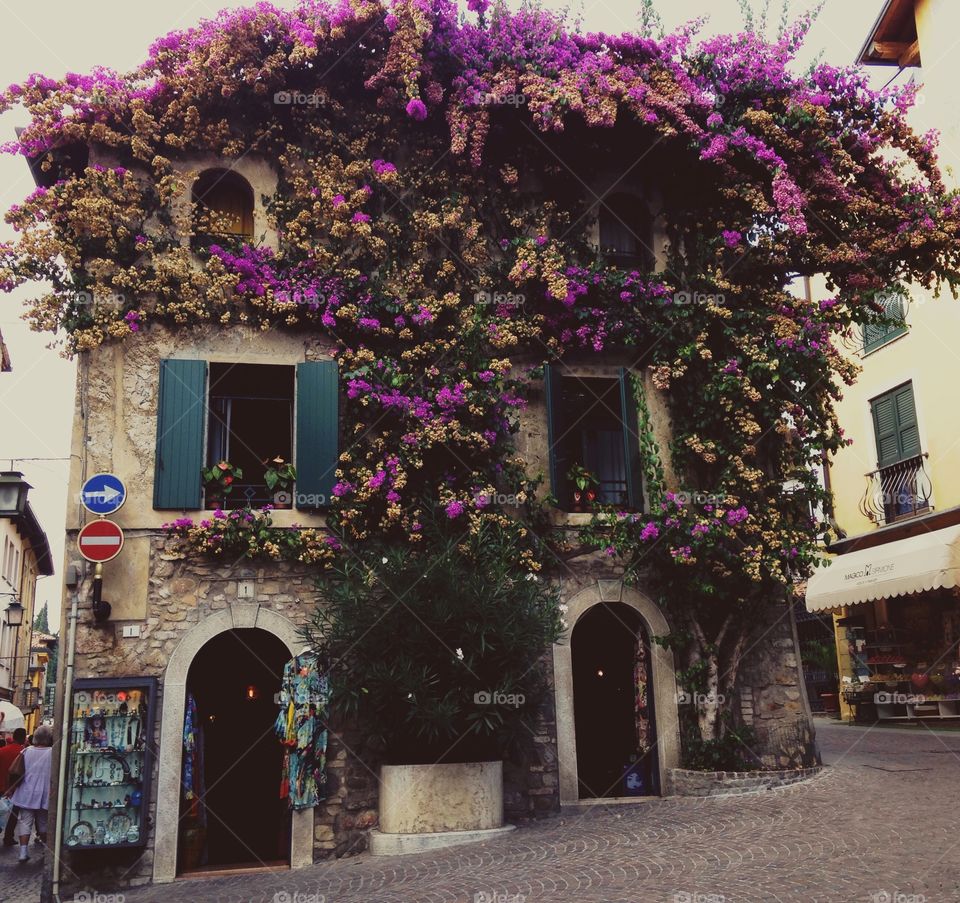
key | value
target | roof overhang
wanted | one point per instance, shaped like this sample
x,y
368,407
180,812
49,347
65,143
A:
x,y
892,41
917,564
29,526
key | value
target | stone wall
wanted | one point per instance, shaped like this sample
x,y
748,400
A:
x,y
682,782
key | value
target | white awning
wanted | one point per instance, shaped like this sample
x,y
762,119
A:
x,y
914,565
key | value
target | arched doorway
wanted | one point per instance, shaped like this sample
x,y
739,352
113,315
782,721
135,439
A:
x,y
170,756
613,704
662,677
232,816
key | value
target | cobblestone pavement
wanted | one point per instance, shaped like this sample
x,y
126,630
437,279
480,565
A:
x,y
880,824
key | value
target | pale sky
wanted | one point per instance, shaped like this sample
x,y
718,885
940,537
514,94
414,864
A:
x,y
59,36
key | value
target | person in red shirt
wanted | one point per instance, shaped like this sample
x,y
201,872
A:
x,y
7,754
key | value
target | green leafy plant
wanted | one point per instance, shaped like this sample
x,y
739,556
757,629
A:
x,y
582,478
437,647
279,473
732,750
220,478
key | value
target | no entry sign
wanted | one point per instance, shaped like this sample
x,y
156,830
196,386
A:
x,y
100,540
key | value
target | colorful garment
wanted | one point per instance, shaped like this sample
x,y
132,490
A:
x,y
193,775
302,727
641,683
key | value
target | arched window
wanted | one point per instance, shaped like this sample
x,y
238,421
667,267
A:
x,y
223,205
626,232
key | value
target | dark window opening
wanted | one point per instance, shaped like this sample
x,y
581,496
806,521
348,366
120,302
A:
x,y
594,453
626,232
250,422
222,208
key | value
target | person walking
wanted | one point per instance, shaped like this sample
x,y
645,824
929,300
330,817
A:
x,y
8,755
31,788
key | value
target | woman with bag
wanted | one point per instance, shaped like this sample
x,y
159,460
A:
x,y
30,788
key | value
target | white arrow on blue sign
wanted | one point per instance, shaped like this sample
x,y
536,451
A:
x,y
103,493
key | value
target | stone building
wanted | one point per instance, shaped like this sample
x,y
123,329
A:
x,y
155,410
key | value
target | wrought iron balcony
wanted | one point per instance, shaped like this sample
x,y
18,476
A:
x,y
898,491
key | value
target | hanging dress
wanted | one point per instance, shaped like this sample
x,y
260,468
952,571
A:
x,y
301,726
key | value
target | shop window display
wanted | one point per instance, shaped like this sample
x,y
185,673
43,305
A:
x,y
110,763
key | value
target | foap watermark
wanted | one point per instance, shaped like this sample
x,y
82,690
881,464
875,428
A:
x,y
700,298
899,699
94,896
298,99
683,896
499,299
111,301
489,99
299,296
690,697
895,896
297,896
485,499
285,499
492,896
495,697
698,498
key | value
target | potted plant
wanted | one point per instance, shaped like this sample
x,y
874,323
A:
x,y
462,680
218,482
279,477
585,485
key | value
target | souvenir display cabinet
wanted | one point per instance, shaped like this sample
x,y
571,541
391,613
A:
x,y
111,759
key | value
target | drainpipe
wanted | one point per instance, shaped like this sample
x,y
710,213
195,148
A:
x,y
64,744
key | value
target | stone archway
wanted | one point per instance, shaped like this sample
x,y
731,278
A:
x,y
663,677
174,691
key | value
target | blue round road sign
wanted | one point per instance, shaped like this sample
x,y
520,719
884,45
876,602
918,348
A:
x,y
103,493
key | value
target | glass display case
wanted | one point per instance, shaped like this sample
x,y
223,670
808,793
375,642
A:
x,y
108,773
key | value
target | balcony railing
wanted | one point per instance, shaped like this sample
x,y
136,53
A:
x,y
898,491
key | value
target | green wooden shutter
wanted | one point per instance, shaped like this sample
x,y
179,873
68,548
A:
x,y
558,465
907,427
877,334
631,441
318,432
181,413
895,425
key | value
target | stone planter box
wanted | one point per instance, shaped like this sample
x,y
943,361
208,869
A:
x,y
428,806
684,782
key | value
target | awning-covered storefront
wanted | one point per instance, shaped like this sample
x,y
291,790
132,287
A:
x,y
914,565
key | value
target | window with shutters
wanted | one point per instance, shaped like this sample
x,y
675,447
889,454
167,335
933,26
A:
x,y
900,486
248,415
876,335
594,446
626,232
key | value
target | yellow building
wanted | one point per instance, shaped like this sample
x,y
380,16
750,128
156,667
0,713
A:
x,y
893,586
24,558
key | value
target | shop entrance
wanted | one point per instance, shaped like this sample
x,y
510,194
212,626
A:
x,y
613,704
231,814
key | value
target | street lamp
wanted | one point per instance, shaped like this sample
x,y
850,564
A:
x,y
13,493
30,695
14,612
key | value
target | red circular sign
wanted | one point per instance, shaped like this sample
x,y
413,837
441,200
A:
x,y
100,540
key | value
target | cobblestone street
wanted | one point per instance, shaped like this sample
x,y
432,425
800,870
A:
x,y
878,823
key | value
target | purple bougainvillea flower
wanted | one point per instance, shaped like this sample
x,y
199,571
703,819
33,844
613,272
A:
x,y
417,109
454,509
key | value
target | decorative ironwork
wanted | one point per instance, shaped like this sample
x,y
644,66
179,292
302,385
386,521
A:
x,y
898,491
